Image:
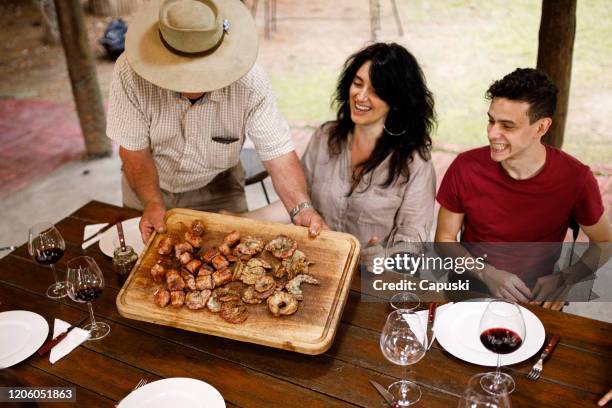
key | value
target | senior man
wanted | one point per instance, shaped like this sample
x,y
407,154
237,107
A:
x,y
184,96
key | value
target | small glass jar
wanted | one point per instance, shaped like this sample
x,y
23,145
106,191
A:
x,y
123,262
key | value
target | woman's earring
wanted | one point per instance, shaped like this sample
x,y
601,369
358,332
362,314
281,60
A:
x,y
394,134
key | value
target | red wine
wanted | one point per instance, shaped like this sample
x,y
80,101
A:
x,y
87,293
49,256
500,340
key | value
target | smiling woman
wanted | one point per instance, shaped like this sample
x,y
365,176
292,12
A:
x,y
369,172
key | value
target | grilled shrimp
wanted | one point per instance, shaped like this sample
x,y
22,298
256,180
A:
x,y
293,286
296,265
249,295
250,245
265,283
234,312
282,246
282,303
213,304
194,300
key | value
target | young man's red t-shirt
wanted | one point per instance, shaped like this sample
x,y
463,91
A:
x,y
499,208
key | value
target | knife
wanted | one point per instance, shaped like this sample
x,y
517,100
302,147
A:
x,y
49,344
385,394
100,231
431,317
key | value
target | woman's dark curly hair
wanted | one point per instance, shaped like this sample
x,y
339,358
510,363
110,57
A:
x,y
399,81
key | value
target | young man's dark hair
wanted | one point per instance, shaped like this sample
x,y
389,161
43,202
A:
x,y
527,85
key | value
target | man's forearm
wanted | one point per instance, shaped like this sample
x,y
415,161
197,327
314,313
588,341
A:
x,y
288,179
141,174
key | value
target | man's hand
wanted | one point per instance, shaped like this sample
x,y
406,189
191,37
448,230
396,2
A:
x,y
605,399
550,292
310,218
152,220
506,285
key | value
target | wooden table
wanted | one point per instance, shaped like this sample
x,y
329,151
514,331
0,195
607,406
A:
x,y
248,375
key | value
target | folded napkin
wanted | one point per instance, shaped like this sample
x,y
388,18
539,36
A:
x,y
72,340
424,314
91,230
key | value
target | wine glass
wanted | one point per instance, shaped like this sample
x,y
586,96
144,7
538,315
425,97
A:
x,y
403,248
475,397
502,331
406,301
85,284
46,246
403,342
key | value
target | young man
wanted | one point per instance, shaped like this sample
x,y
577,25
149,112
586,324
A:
x,y
184,96
517,189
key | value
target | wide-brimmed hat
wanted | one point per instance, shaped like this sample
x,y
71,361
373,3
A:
x,y
192,45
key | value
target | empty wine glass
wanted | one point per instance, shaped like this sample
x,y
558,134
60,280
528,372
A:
x,y
406,301
403,342
85,284
502,331
405,248
475,397
46,246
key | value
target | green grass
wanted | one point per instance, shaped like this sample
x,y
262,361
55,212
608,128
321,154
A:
x,y
463,45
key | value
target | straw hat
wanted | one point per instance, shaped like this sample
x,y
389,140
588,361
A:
x,y
192,45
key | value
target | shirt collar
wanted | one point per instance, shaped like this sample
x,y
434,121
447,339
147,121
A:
x,y
217,95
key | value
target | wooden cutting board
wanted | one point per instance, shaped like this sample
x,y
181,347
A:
x,y
310,330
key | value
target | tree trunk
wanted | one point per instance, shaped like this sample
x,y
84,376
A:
x,y
555,49
113,8
82,70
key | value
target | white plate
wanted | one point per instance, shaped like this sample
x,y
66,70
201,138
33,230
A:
x,y
21,334
109,240
174,392
457,331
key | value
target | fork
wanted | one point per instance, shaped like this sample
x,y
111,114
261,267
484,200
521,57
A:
x,y
141,383
536,370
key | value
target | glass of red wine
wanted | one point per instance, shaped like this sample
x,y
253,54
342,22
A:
x,y
85,284
46,246
502,331
403,342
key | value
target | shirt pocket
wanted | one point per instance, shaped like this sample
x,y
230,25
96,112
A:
x,y
376,208
223,152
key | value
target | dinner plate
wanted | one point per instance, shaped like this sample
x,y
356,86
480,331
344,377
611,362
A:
x,y
21,334
458,332
109,240
174,392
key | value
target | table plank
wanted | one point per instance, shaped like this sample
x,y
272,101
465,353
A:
x,y
24,375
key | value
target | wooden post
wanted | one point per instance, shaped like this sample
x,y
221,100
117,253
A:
x,y
555,50
82,70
